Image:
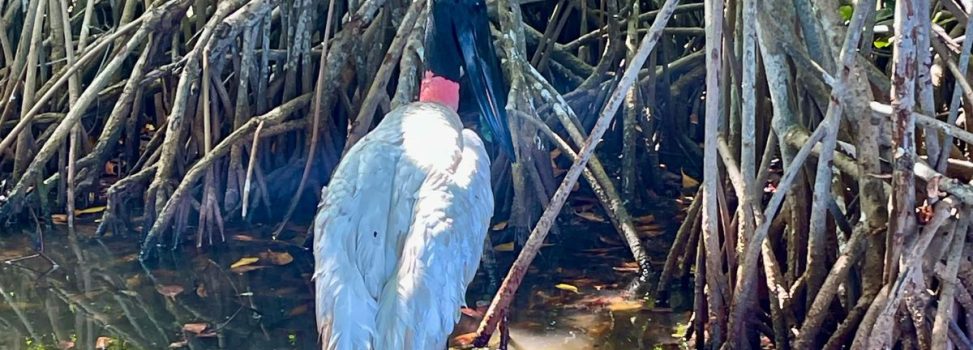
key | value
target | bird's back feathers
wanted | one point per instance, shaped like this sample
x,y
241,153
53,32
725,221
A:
x,y
399,232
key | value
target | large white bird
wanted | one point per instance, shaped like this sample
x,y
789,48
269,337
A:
x,y
400,227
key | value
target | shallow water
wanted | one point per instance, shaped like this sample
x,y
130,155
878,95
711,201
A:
x,y
100,295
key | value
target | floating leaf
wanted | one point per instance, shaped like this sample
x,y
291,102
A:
x,y
194,328
471,312
242,238
590,216
102,343
111,168
92,210
625,305
567,287
610,240
505,247
499,226
286,291
627,267
465,339
680,330
647,219
650,230
688,181
277,258
298,310
244,262
59,219
247,268
134,281
169,291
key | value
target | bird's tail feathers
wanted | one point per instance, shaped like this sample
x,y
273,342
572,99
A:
x,y
345,312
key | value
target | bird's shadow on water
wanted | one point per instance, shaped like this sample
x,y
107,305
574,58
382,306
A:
x,y
255,293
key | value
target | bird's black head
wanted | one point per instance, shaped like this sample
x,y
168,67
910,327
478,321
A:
x,y
458,35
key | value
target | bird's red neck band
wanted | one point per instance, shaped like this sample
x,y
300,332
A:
x,y
439,89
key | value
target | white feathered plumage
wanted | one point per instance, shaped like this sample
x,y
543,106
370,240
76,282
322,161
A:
x,y
399,232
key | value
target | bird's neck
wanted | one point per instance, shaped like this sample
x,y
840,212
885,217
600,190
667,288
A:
x,y
439,89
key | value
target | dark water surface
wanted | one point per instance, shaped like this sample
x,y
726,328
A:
x,y
215,297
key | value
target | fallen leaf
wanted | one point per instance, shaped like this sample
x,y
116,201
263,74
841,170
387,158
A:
x,y
244,262
65,345
277,258
627,267
625,305
652,230
590,216
544,297
688,181
201,290
59,219
298,310
612,240
584,207
471,312
169,291
92,210
505,247
200,330
464,339
248,268
680,330
599,251
102,343
111,168
242,238
134,281
286,291
567,287
499,226
924,213
179,344
647,219
598,329
194,328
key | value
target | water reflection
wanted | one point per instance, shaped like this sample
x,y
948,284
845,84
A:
x,y
101,296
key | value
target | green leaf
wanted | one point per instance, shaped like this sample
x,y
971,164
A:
x,y
845,12
881,43
886,12
680,330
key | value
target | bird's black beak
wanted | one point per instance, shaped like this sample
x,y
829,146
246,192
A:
x,y
481,65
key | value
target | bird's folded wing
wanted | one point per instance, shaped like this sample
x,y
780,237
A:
x,y
420,305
